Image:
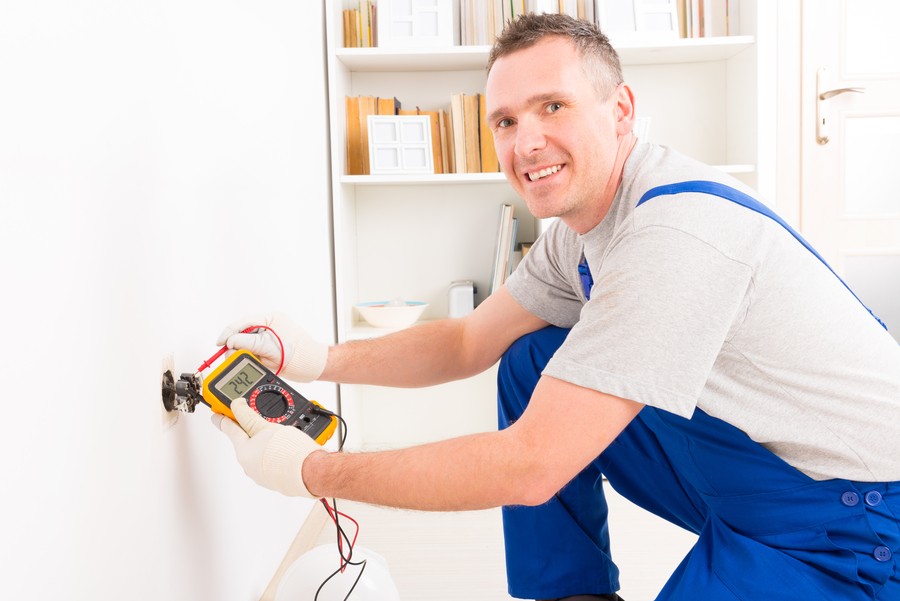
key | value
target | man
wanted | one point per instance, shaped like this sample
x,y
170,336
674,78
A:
x,y
695,351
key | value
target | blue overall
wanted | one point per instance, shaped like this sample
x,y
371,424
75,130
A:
x,y
766,531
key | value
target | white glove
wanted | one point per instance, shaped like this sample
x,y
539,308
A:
x,y
272,454
304,358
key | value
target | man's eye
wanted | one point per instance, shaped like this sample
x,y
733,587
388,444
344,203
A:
x,y
553,107
504,123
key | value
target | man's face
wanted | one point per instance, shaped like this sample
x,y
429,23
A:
x,y
556,137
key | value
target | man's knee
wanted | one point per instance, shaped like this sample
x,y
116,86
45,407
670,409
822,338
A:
x,y
531,352
520,369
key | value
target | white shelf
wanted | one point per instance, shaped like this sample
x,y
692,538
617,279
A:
x,y
454,58
467,58
362,330
468,178
692,50
424,179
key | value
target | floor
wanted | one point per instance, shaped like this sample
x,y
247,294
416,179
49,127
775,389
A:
x,y
450,556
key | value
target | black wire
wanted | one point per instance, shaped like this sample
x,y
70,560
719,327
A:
x,y
345,560
355,582
323,411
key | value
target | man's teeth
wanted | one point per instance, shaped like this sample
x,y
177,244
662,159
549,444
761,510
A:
x,y
543,173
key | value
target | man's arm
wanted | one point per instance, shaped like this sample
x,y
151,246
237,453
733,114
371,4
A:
x,y
435,352
563,429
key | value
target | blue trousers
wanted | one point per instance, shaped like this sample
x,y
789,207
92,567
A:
x,y
765,530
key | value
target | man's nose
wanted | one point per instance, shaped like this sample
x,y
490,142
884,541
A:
x,y
529,137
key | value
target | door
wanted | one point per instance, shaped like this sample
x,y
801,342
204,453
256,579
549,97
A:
x,y
850,199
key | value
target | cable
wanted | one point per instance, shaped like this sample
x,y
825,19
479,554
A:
x,y
345,559
335,515
247,330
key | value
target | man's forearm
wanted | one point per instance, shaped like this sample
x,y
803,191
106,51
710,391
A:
x,y
434,352
525,464
471,472
424,355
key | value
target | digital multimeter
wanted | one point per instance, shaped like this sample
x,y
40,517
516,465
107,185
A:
x,y
241,374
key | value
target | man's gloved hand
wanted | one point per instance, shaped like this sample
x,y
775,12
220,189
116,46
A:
x,y
271,454
304,358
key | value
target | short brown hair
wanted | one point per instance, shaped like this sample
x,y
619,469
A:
x,y
601,59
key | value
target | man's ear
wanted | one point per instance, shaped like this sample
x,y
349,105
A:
x,y
624,110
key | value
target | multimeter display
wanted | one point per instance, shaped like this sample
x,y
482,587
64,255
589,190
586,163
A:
x,y
237,385
242,375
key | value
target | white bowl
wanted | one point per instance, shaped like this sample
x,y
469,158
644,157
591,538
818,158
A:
x,y
380,315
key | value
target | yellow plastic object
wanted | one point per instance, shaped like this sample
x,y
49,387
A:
x,y
242,374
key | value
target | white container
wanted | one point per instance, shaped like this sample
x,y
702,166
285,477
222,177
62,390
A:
x,y
388,314
461,298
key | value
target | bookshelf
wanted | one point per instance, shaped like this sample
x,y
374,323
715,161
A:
x,y
410,236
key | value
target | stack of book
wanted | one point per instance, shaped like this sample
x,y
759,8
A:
x,y
360,25
480,21
461,140
708,18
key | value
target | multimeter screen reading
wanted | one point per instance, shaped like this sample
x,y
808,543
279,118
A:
x,y
237,385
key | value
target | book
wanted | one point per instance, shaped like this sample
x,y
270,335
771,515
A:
x,y
503,247
472,118
718,18
489,161
354,140
445,154
347,40
447,139
365,33
458,129
436,140
388,106
682,18
367,106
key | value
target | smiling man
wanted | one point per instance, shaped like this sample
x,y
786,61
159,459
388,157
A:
x,y
683,340
562,129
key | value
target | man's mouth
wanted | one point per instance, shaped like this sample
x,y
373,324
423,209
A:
x,y
536,175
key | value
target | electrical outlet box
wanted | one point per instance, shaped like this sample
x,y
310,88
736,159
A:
x,y
167,388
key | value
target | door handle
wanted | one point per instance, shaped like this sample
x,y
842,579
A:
x,y
821,97
833,93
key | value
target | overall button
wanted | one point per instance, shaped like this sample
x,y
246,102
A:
x,y
873,498
850,498
882,553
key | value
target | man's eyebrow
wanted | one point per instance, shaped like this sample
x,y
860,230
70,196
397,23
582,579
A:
x,y
532,100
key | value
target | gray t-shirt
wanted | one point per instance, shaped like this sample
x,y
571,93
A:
x,y
700,302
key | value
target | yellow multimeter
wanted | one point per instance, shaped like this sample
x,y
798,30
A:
x,y
241,374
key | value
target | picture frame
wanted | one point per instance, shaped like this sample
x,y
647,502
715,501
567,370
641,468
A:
x,y
415,24
644,20
400,144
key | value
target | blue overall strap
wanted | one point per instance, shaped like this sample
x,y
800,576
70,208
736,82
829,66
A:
x,y
738,197
587,280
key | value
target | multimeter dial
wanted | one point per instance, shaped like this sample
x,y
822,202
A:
x,y
273,402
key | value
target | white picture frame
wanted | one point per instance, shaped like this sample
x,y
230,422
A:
x,y
400,144
643,20
415,24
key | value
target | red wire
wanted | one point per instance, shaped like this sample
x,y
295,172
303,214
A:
x,y
247,330
333,513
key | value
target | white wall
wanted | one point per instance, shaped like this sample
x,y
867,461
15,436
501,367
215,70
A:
x,y
163,171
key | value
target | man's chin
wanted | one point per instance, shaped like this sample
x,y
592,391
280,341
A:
x,y
540,210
